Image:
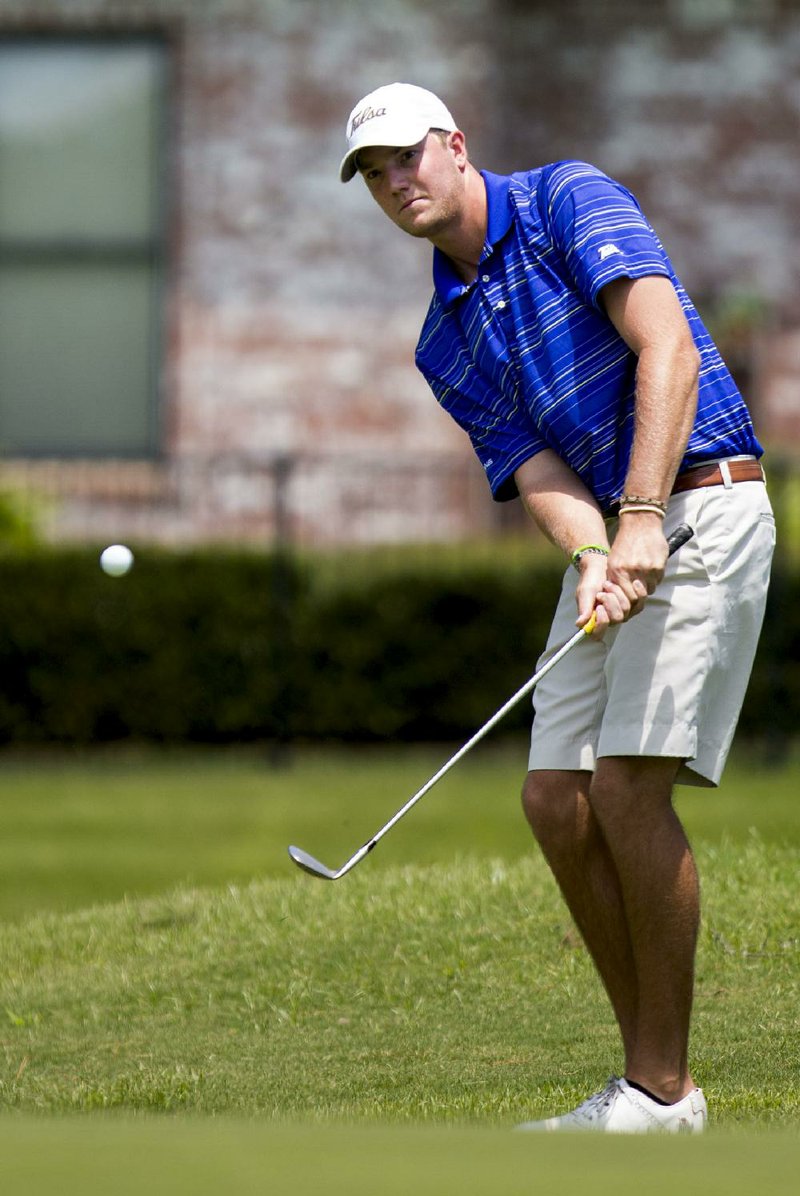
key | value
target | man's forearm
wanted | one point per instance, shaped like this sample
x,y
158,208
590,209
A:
x,y
666,405
559,503
647,314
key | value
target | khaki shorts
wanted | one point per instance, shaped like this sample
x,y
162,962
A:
x,y
671,681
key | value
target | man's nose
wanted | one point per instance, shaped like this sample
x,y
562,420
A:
x,y
398,178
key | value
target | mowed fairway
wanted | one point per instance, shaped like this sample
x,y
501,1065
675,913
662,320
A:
x,y
209,1158
232,1024
81,829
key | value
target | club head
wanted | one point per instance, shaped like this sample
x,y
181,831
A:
x,y
310,865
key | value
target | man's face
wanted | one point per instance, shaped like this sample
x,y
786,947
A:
x,y
419,187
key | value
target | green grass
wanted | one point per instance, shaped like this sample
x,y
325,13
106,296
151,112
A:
x,y
84,829
181,1009
448,994
204,1158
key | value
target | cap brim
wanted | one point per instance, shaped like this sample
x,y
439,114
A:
x,y
348,168
383,132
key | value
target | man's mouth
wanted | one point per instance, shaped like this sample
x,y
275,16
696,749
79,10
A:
x,y
409,202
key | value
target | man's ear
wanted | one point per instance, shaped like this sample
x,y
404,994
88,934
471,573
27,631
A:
x,y
457,144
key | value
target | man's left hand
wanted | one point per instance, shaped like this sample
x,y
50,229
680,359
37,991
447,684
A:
x,y
635,567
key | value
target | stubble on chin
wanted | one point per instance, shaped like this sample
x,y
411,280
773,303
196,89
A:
x,y
428,221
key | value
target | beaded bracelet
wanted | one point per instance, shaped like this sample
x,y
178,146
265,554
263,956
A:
x,y
579,552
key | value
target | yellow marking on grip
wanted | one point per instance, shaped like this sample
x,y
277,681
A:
x,y
589,627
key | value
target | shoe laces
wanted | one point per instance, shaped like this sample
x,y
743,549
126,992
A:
x,y
595,1106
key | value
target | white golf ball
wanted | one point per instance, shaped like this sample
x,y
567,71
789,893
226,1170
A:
x,y
116,560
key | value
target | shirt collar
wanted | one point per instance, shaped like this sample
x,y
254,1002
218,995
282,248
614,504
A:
x,y
449,286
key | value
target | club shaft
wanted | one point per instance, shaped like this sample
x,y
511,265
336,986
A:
x,y
476,738
679,537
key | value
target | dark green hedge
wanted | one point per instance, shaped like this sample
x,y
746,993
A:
x,y
183,648
233,647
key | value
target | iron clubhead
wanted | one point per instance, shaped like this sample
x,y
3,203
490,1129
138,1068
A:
x,y
310,865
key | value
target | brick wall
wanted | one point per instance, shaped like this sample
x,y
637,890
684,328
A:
x,y
694,105
294,306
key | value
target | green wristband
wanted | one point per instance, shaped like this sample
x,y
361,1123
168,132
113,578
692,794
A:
x,y
579,552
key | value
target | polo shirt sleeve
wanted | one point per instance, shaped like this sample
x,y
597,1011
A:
x,y
500,432
598,227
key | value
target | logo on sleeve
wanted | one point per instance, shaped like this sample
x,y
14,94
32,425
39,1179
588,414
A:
x,y
608,251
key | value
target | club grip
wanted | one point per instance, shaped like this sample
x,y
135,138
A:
x,y
679,537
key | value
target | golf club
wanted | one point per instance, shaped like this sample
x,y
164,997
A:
x,y
307,862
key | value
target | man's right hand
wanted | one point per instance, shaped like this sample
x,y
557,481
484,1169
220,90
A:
x,y
612,602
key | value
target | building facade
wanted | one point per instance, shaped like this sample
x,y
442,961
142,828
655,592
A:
x,y
204,335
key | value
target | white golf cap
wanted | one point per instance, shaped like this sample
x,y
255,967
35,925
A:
x,y
398,114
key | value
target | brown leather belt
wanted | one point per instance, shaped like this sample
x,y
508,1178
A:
x,y
747,470
743,470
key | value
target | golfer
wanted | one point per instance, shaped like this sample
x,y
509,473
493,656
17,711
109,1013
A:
x,y
561,341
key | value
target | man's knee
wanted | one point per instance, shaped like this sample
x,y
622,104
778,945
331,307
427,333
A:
x,y
549,800
622,785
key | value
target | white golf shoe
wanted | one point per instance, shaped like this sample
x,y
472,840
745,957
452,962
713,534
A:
x,y
621,1109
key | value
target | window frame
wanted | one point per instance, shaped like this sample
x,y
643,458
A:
x,y
152,251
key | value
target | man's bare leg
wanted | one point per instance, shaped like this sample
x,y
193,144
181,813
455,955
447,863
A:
x,y
556,804
632,800
624,866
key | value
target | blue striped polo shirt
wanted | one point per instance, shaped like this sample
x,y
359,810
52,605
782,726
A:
x,y
525,358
